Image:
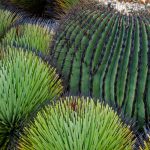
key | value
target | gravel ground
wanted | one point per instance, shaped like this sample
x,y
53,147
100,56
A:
x,y
126,7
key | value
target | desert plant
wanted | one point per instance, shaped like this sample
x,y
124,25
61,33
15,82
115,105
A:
x,y
59,7
26,83
6,20
32,6
35,37
76,123
103,53
146,144
44,8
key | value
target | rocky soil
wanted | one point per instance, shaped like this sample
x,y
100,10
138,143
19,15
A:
x,y
128,6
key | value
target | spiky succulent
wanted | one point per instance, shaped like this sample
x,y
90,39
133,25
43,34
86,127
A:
x,y
32,6
26,83
34,37
6,20
77,124
45,8
103,53
58,7
146,144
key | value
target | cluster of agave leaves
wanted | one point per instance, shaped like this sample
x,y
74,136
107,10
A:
x,y
41,8
32,114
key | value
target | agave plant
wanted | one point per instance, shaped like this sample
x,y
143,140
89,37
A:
x,y
6,20
103,53
45,8
32,6
35,37
76,123
146,144
26,83
58,7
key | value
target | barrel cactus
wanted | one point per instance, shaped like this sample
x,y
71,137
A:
x,y
76,123
26,83
103,53
33,37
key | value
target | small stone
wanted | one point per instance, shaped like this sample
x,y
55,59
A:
x,y
127,6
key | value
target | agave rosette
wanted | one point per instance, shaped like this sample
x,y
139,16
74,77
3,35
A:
x,y
34,37
77,123
44,8
6,20
26,83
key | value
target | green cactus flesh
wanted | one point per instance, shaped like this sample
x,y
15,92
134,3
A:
x,y
105,54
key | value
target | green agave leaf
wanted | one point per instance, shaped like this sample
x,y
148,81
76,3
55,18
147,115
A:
x,y
76,123
57,8
44,8
26,82
30,36
33,6
146,144
6,20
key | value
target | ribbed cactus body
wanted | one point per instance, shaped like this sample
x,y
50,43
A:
x,y
103,53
